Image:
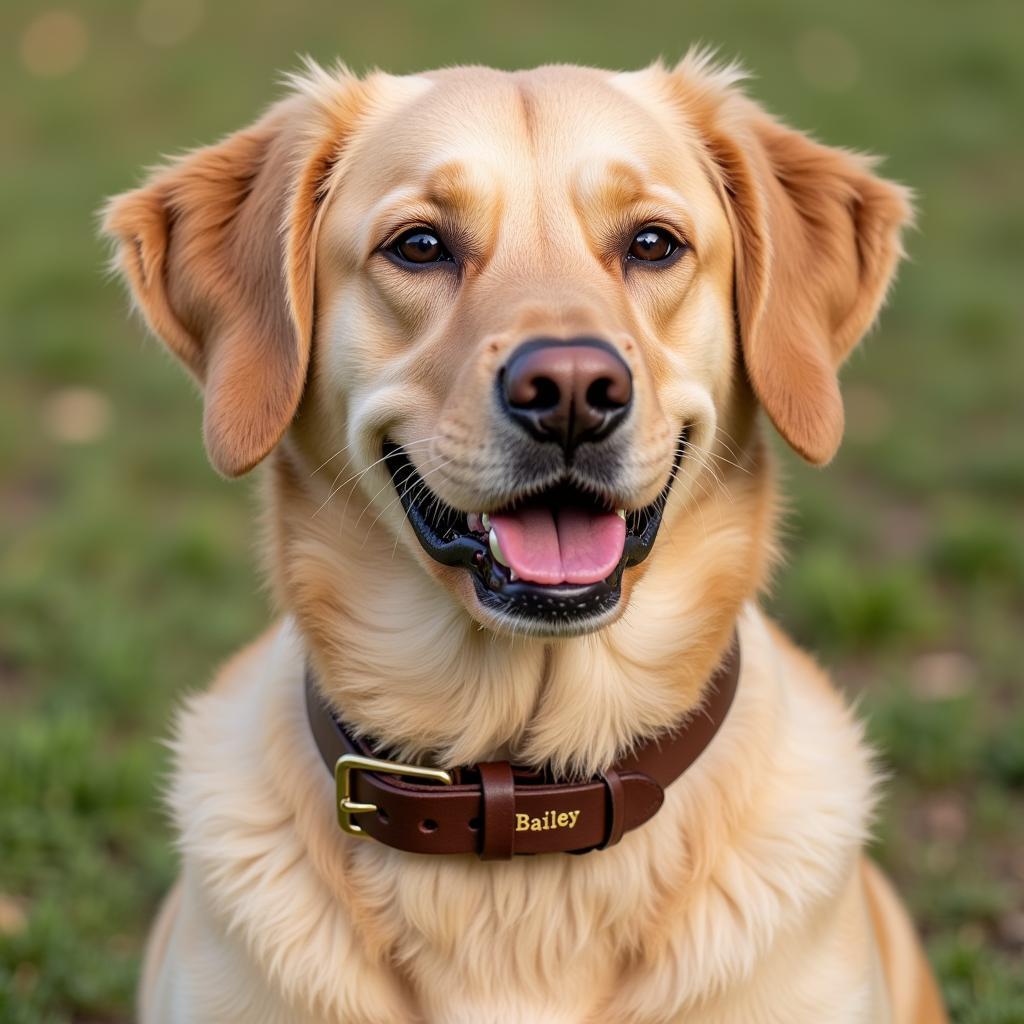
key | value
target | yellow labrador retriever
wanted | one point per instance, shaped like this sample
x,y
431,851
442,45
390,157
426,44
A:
x,y
522,747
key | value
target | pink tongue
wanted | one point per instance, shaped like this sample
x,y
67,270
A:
x,y
570,545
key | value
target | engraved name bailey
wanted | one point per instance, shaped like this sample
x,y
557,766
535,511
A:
x,y
549,820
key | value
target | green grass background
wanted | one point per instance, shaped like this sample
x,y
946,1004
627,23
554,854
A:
x,y
126,565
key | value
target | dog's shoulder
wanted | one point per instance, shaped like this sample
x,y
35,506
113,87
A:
x,y
262,868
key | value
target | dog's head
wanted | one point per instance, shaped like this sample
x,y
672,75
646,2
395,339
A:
x,y
522,313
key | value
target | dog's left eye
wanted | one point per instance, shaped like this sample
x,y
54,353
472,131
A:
x,y
652,245
419,246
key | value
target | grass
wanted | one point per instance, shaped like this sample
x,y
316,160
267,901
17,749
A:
x,y
126,567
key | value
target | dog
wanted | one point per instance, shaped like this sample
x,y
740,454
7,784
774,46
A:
x,y
506,342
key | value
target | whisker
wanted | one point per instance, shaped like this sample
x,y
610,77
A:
x,y
369,503
420,484
722,458
709,468
397,497
384,510
363,472
724,437
420,488
331,458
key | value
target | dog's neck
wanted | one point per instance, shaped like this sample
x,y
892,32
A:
x,y
404,662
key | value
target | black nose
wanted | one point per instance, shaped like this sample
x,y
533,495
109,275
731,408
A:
x,y
567,391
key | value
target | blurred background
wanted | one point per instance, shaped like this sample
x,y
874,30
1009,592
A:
x,y
127,567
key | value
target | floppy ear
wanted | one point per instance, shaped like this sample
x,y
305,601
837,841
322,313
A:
x,y
817,239
218,251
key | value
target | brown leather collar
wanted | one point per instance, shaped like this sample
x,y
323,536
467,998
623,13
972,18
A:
x,y
497,809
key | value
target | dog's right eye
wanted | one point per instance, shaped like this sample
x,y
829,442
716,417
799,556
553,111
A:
x,y
419,246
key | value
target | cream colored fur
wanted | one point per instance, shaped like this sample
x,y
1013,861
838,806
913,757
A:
x,y
746,899
741,901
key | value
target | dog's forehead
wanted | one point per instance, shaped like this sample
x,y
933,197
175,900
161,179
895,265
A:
x,y
565,125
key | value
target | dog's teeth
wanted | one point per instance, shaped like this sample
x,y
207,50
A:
x,y
512,575
492,540
485,519
621,513
474,523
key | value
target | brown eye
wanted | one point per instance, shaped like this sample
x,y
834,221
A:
x,y
652,245
420,245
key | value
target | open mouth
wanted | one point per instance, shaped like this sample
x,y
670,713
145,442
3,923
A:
x,y
553,560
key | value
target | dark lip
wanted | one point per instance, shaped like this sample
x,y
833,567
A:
x,y
443,534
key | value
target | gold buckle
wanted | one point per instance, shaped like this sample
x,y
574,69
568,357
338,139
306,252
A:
x,y
348,763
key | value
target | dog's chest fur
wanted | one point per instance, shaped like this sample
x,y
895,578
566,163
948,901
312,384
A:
x,y
752,857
